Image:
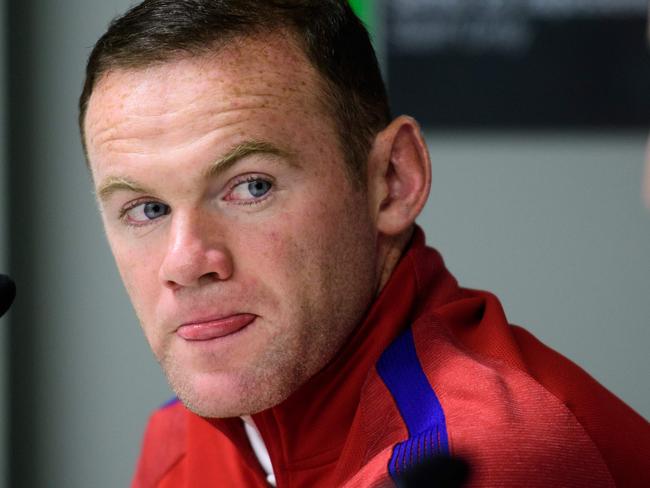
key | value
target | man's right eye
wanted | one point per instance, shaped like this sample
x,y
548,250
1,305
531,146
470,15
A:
x,y
142,213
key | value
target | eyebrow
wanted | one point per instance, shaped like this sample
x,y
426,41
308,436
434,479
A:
x,y
244,150
116,183
113,184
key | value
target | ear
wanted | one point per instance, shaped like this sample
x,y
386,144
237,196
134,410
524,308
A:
x,y
399,172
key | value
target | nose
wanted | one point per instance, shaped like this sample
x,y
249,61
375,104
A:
x,y
196,253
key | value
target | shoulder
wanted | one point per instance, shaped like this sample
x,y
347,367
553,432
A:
x,y
506,396
519,412
621,435
163,445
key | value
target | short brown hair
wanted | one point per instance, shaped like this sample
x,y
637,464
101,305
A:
x,y
333,38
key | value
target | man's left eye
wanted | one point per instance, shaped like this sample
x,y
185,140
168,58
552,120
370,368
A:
x,y
250,190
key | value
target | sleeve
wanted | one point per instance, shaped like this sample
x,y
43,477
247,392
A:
x,y
621,435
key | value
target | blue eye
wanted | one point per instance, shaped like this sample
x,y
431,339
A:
x,y
259,188
153,210
250,190
145,212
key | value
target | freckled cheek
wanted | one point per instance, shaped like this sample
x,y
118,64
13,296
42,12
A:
x,y
262,249
298,242
268,258
140,272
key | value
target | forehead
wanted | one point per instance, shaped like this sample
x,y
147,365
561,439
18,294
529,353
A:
x,y
255,74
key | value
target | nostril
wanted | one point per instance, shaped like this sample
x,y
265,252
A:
x,y
212,276
208,278
172,285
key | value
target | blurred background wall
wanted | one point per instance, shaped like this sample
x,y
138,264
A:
x,y
4,249
551,221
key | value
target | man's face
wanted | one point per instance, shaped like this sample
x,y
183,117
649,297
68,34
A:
x,y
248,253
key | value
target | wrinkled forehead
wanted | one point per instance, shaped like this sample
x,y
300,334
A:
x,y
269,69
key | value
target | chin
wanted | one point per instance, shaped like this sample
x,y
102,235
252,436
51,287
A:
x,y
224,396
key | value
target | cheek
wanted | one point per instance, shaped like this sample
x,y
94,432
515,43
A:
x,y
139,269
278,260
267,258
300,250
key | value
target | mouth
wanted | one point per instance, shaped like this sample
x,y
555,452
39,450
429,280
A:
x,y
214,328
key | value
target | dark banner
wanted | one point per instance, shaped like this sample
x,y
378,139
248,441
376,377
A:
x,y
519,63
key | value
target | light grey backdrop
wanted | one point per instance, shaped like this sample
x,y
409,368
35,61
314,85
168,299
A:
x,y
553,223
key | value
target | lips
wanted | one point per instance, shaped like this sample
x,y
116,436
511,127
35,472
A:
x,y
214,328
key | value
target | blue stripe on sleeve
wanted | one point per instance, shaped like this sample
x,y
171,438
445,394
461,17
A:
x,y
401,372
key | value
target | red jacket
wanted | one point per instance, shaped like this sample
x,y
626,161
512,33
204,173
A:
x,y
433,369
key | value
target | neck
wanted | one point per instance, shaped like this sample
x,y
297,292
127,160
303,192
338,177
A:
x,y
390,250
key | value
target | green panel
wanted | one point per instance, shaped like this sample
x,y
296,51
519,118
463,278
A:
x,y
366,12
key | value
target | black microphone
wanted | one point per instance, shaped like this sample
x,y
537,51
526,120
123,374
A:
x,y
7,293
437,471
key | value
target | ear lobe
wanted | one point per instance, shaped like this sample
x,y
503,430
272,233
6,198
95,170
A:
x,y
402,176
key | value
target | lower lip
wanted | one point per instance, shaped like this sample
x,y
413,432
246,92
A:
x,y
215,329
